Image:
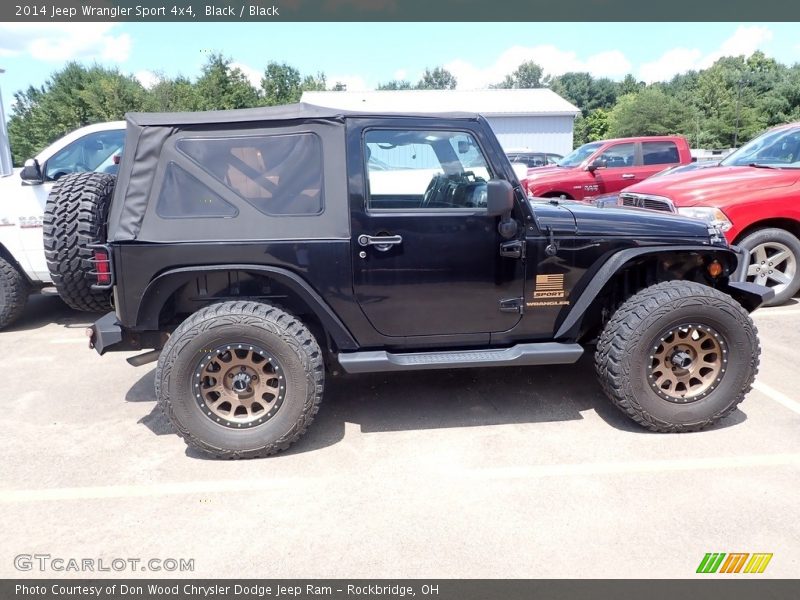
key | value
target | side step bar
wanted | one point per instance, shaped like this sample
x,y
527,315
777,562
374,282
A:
x,y
546,353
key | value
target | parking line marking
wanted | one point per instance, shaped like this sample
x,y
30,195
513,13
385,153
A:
x,y
246,485
779,397
768,312
649,466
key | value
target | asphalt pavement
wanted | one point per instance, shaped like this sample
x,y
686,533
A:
x,y
515,472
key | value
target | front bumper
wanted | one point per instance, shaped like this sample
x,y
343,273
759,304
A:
x,y
749,295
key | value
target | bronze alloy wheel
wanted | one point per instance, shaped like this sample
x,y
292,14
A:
x,y
687,363
239,385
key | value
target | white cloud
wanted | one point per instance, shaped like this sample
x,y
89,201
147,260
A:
x,y
254,76
58,42
744,42
400,74
553,60
147,78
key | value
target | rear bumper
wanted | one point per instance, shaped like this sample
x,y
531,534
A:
x,y
106,334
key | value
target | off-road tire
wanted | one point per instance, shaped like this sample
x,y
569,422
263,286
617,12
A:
x,y
14,291
780,236
75,217
241,322
627,343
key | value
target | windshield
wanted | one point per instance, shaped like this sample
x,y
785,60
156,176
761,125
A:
x,y
577,156
777,148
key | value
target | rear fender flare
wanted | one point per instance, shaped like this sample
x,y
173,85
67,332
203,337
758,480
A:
x,y
161,288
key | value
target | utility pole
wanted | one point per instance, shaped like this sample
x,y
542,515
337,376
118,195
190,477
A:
x,y
6,167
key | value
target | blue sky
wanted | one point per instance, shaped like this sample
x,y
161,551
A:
x,y
364,54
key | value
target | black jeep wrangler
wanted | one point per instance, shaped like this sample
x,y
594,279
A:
x,y
250,251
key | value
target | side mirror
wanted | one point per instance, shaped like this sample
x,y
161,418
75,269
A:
x,y
463,146
32,173
499,198
597,163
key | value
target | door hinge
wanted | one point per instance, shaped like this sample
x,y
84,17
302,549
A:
x,y
512,305
513,249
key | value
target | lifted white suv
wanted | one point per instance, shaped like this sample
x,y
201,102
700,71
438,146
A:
x,y
23,194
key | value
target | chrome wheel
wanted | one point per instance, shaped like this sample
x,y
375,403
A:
x,y
687,363
239,385
772,264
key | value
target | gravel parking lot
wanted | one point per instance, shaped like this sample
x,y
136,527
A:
x,y
469,473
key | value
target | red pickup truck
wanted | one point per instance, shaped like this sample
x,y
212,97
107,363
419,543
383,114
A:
x,y
753,197
607,166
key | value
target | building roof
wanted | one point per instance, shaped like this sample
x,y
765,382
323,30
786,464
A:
x,y
518,102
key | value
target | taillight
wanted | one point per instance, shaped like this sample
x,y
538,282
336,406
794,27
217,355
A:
x,y
103,266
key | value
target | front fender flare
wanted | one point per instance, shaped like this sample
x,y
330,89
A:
x,y
604,272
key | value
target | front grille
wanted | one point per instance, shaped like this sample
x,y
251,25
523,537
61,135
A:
x,y
649,202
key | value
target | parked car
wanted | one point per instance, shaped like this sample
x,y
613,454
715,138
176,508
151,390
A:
x,y
533,159
23,265
607,167
753,196
249,251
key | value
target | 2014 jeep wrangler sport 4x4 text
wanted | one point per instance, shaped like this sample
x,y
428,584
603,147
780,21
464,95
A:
x,y
253,250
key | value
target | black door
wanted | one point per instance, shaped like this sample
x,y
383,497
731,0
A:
x,y
426,257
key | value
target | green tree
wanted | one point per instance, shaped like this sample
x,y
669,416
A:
x,y
73,97
395,84
584,91
629,85
437,79
172,95
222,86
649,112
527,75
592,127
281,84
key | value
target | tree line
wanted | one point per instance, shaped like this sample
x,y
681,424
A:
x,y
718,107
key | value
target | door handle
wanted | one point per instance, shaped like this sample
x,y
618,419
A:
x,y
381,242
629,176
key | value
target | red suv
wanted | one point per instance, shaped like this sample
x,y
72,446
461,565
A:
x,y
607,167
753,196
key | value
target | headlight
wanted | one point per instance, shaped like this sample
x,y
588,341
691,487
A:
x,y
713,216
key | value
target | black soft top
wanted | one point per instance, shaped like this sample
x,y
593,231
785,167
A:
x,y
300,111
151,154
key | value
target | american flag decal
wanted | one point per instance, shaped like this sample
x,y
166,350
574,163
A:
x,y
549,286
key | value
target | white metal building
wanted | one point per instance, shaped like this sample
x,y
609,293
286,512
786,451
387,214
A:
x,y
537,119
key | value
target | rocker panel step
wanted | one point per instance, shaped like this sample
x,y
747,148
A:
x,y
546,353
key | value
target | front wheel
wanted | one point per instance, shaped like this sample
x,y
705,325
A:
x,y
240,379
678,356
774,256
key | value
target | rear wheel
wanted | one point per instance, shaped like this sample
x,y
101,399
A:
x,y
774,256
678,356
14,291
74,218
240,379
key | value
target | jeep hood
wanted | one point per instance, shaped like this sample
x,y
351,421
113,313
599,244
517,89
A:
x,y
715,185
580,218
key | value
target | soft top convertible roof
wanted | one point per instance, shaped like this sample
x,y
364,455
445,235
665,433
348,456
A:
x,y
300,111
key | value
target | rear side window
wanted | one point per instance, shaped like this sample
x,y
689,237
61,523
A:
x,y
183,196
660,153
277,174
